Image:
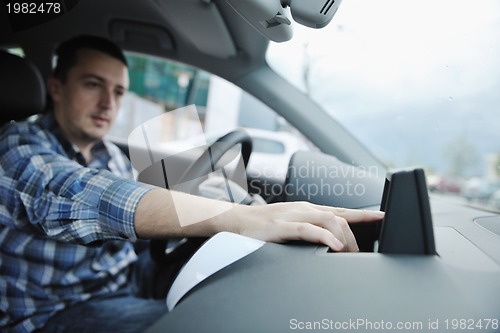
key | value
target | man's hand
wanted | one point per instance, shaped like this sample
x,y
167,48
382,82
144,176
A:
x,y
303,221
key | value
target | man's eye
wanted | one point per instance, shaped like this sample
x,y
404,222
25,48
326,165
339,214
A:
x,y
92,84
119,93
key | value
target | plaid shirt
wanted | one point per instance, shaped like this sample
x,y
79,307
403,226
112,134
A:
x,y
65,226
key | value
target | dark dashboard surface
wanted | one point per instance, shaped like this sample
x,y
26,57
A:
x,y
283,288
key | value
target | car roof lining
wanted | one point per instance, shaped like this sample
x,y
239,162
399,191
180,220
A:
x,y
199,22
141,34
158,28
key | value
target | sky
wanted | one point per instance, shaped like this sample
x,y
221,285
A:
x,y
409,79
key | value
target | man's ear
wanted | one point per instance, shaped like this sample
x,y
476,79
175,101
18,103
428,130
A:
x,y
54,87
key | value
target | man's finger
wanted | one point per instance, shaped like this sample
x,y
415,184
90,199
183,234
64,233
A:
x,y
356,215
310,233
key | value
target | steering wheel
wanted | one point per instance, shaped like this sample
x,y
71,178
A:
x,y
205,164
178,251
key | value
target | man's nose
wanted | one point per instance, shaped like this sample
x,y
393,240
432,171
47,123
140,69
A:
x,y
107,100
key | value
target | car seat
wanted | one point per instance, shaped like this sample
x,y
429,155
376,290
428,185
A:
x,y
23,92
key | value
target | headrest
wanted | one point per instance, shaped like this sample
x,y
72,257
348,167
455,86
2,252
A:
x,y
22,90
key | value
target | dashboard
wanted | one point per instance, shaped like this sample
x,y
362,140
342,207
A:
x,y
450,283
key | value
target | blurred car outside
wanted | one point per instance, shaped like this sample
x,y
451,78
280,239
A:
x,y
444,184
479,190
494,201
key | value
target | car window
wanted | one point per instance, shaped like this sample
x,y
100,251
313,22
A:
x,y
416,93
159,86
16,50
268,146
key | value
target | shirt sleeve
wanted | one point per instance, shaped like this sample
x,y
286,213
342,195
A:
x,y
59,198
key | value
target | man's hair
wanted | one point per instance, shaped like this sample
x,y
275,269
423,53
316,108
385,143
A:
x,y
67,53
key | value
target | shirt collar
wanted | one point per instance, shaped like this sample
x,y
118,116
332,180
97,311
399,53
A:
x,y
99,151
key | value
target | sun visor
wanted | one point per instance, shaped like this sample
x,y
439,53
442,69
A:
x,y
201,23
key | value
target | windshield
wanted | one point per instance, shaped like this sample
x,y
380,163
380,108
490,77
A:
x,y
417,82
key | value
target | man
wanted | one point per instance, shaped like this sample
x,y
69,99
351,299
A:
x,y
72,212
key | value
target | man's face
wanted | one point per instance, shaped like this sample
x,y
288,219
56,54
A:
x,y
87,103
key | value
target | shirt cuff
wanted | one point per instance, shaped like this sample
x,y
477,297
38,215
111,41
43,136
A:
x,y
118,206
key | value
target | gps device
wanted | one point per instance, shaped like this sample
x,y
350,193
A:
x,y
407,225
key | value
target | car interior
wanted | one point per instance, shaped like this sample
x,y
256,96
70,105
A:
x,y
430,261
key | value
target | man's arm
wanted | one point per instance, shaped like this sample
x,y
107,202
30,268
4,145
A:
x,y
159,215
76,204
47,194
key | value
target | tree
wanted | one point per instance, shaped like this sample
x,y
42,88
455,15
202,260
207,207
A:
x,y
462,156
497,165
